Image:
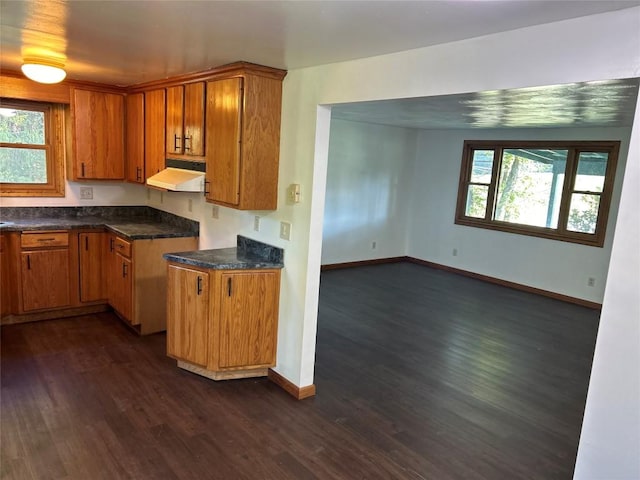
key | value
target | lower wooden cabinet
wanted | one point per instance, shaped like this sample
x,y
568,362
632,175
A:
x,y
92,271
187,314
38,268
137,279
222,323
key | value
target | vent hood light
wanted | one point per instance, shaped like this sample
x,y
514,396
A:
x,y
178,180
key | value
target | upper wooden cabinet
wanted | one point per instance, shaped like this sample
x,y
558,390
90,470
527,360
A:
x,y
98,135
135,138
243,141
185,119
154,131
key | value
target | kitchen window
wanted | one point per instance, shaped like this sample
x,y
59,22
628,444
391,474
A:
x,y
31,149
557,190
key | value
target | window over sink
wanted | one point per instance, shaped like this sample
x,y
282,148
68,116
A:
x,y
31,149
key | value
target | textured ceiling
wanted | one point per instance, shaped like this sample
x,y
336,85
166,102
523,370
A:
x,y
608,103
127,42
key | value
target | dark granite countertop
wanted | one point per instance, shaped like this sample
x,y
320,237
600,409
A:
x,y
249,254
133,223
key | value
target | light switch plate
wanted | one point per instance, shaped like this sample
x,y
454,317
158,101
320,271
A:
x,y
285,230
256,223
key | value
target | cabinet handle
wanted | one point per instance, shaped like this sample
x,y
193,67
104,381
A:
x,y
229,286
124,270
185,142
82,169
138,174
28,262
199,286
111,244
86,243
206,190
176,139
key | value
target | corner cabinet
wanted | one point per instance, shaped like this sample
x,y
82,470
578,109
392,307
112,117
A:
x,y
98,135
243,141
222,324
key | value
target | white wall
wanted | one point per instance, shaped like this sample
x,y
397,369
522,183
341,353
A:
x,y
610,440
104,193
559,267
596,47
367,197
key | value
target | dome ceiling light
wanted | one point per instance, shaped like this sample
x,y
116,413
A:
x,y
44,70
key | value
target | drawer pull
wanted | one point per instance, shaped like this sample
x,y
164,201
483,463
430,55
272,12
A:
x,y
46,239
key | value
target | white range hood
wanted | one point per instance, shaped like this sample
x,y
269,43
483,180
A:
x,y
178,180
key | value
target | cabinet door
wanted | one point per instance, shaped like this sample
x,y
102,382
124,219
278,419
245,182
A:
x,y
193,143
123,295
98,135
39,289
175,107
92,271
6,282
224,121
187,314
154,137
248,319
111,269
135,138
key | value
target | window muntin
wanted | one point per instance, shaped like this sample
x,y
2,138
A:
x,y
558,190
31,149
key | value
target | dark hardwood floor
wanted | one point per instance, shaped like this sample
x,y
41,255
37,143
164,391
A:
x,y
421,374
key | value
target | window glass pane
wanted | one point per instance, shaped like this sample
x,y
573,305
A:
x,y
482,166
530,186
583,213
477,201
21,165
21,126
591,169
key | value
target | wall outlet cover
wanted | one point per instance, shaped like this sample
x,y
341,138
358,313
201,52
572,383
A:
x,y
285,230
86,193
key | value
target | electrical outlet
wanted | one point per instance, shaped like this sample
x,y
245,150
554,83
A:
x,y
454,252
293,193
285,230
256,223
591,282
215,211
374,244
86,193
190,205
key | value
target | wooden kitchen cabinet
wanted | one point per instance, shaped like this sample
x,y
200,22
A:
x,y
243,141
185,119
187,314
135,138
236,313
91,263
45,271
154,131
137,279
98,135
7,281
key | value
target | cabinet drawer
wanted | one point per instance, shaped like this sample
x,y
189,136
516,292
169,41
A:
x,y
122,247
44,239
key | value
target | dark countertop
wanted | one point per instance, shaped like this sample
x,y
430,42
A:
x,y
142,224
249,254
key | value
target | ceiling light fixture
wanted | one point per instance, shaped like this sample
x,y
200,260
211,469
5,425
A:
x,y
43,70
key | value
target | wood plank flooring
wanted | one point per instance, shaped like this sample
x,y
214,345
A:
x,y
421,374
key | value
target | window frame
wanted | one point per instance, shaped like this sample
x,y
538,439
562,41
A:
x,y
54,147
560,233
